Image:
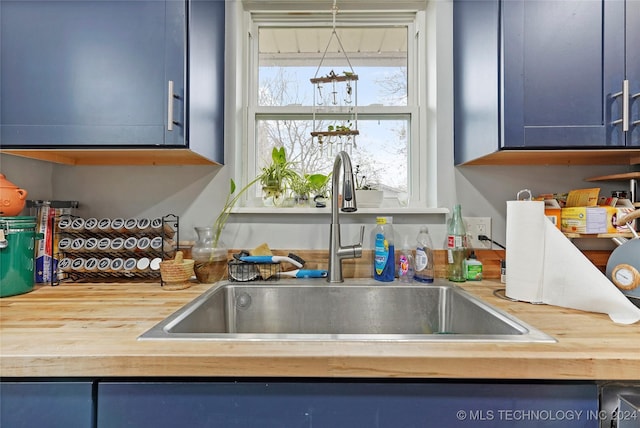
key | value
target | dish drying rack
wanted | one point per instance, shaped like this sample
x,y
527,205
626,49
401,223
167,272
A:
x,y
239,271
111,250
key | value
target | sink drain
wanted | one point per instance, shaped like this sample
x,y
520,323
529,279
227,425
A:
x,y
243,301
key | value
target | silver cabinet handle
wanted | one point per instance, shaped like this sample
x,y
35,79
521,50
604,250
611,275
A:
x,y
170,98
633,97
170,106
625,106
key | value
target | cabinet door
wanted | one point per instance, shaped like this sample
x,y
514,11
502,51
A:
x,y
46,404
563,62
91,73
346,404
206,78
476,78
633,71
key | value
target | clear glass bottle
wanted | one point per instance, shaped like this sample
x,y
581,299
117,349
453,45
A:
x,y
210,262
456,246
424,257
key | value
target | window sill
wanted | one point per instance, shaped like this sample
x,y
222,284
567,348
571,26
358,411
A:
x,y
327,211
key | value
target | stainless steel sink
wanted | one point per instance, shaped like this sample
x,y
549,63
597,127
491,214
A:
x,y
355,310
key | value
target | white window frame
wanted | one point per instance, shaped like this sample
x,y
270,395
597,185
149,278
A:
x,y
418,175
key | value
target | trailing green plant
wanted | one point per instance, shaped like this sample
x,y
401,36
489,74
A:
x,y
310,184
318,183
279,174
340,128
229,203
300,185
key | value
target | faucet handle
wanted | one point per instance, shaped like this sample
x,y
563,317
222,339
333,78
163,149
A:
x,y
357,249
361,236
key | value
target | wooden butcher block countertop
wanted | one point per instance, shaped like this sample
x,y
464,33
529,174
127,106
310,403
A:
x,y
89,330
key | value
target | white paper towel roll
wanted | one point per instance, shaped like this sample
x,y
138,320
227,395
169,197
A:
x,y
543,266
525,250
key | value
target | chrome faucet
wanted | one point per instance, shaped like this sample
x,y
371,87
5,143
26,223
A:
x,y
336,251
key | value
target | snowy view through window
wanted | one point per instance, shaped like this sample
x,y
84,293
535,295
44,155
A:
x,y
290,57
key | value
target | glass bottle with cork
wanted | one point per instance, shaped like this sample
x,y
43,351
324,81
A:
x,y
456,246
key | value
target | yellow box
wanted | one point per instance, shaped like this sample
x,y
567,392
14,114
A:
x,y
583,197
586,220
600,219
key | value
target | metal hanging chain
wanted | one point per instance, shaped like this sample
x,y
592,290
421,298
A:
x,y
334,12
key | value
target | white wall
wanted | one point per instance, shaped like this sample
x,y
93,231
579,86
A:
x,y
197,193
32,175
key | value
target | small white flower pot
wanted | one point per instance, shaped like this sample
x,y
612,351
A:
x,y
369,198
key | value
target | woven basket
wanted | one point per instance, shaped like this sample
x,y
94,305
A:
x,y
176,273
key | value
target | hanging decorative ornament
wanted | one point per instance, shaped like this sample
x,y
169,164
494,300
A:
x,y
341,104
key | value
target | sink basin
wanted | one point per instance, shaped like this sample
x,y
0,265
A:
x,y
355,310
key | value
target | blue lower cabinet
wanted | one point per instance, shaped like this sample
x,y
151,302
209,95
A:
x,y
46,404
346,404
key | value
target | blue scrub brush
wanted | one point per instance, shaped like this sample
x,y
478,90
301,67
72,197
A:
x,y
305,273
272,259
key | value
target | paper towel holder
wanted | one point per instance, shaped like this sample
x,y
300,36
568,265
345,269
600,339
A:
x,y
524,191
501,293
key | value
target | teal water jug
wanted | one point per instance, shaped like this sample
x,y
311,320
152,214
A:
x,y
17,254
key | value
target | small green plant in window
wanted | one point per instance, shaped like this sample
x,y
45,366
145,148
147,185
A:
x,y
361,180
277,176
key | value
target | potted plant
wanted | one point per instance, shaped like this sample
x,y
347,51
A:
x,y
277,177
367,196
318,184
308,187
301,190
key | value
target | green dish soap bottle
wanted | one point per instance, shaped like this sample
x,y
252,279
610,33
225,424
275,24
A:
x,y
383,251
473,268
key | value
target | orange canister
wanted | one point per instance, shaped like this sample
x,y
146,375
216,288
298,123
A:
x,y
12,198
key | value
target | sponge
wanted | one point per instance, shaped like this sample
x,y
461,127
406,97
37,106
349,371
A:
x,y
263,250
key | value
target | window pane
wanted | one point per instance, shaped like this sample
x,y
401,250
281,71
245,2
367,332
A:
x,y
290,56
380,149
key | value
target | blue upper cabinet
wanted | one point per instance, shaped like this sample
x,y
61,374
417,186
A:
x,y
92,73
632,71
111,74
545,74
